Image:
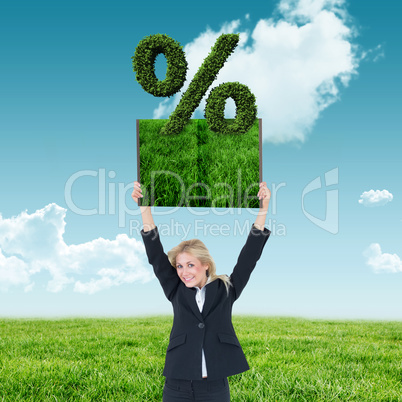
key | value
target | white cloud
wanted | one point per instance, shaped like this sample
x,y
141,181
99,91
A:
x,y
382,262
374,54
375,198
31,243
308,9
295,69
13,272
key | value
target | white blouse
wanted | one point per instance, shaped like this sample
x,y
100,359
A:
x,y
200,299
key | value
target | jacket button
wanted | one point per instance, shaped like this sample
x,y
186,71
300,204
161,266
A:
x,y
201,325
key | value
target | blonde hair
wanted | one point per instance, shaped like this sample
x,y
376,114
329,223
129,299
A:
x,y
198,249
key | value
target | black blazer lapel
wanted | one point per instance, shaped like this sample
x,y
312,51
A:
x,y
211,291
190,298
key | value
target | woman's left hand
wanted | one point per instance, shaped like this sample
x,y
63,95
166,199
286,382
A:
x,y
264,194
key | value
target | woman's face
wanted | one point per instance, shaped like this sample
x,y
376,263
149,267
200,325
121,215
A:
x,y
191,271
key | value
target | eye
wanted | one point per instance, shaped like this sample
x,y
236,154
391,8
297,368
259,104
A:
x,y
191,265
178,266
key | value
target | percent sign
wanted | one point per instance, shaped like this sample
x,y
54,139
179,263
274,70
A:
x,y
144,66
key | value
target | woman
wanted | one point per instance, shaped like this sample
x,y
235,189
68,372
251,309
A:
x,y
203,348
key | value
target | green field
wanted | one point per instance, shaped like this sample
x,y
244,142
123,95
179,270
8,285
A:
x,y
122,359
200,168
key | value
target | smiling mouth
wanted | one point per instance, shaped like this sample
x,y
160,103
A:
x,y
188,279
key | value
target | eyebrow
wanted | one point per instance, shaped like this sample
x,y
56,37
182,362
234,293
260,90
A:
x,y
178,263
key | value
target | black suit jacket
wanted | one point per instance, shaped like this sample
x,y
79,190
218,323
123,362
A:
x,y
212,329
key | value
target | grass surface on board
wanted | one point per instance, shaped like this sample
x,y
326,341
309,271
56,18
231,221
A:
x,y
122,359
200,168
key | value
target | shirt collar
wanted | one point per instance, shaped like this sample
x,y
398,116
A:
x,y
208,281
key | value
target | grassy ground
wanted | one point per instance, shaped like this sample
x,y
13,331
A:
x,y
122,360
224,166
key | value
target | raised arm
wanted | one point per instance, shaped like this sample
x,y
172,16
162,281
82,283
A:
x,y
163,270
147,219
264,194
252,250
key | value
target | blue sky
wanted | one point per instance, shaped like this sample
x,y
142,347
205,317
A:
x,y
326,77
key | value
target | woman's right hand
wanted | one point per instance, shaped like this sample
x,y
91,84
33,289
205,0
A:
x,y
146,214
137,192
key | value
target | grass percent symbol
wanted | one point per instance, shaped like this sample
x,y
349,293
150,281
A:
x,y
144,66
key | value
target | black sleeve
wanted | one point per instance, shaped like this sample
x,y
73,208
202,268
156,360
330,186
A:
x,y
164,271
249,255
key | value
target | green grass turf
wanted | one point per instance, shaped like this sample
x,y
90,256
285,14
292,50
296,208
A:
x,y
200,168
122,359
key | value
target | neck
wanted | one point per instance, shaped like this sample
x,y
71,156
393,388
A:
x,y
204,282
